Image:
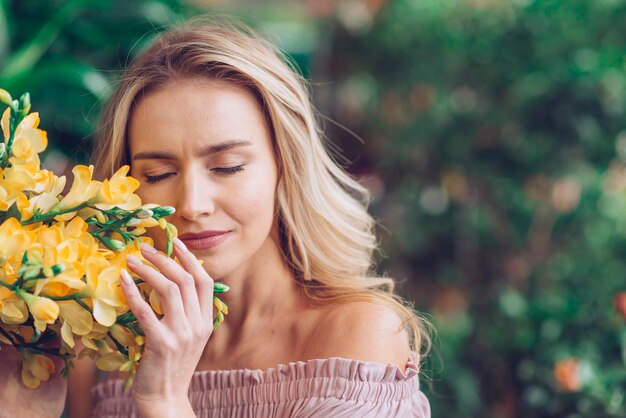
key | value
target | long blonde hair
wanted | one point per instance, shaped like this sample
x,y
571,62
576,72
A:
x,y
327,235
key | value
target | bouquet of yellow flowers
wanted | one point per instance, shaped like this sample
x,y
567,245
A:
x,y
61,256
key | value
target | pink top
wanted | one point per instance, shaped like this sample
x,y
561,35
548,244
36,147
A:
x,y
334,387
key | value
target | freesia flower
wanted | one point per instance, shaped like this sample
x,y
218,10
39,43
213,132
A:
x,y
36,368
28,144
61,256
76,320
43,310
13,309
103,287
118,192
83,189
14,239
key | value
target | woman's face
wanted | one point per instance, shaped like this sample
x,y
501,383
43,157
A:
x,y
205,148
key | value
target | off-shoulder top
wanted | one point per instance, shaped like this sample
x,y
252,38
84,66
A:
x,y
334,387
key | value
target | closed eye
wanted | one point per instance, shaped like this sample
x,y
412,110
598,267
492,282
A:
x,y
228,170
155,179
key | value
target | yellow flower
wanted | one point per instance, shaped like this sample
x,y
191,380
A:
x,y
111,361
83,189
28,140
118,191
103,288
78,317
35,369
5,124
12,308
15,240
43,310
29,143
76,320
69,245
5,97
12,187
46,185
122,335
221,306
155,302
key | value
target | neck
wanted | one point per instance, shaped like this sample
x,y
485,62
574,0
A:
x,y
262,295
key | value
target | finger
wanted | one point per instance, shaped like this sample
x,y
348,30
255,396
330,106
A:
x,y
139,307
176,275
202,280
169,292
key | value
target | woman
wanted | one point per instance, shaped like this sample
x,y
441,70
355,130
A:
x,y
213,122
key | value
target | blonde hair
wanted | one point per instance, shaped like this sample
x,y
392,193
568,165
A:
x,y
327,235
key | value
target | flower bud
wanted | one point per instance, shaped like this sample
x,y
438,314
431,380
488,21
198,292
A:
x,y
113,244
144,213
133,222
219,287
221,306
219,318
31,273
58,269
41,308
101,217
164,211
5,97
24,106
171,231
138,231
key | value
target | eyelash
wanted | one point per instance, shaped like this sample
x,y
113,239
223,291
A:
x,y
223,171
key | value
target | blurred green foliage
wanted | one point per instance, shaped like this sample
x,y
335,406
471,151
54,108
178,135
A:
x,y
494,143
69,53
495,137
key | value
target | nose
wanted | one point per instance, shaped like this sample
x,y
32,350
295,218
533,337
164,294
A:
x,y
195,196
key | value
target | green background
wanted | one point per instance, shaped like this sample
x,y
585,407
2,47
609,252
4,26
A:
x,y
492,134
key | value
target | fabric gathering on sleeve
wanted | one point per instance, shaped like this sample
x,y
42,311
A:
x,y
334,387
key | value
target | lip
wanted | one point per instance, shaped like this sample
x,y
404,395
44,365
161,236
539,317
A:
x,y
204,240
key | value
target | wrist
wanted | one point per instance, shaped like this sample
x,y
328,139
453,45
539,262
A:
x,y
169,407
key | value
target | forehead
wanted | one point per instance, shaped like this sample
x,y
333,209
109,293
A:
x,y
190,114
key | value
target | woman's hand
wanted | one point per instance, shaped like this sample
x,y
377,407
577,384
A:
x,y
174,343
18,401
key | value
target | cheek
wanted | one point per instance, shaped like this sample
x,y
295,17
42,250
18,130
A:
x,y
254,203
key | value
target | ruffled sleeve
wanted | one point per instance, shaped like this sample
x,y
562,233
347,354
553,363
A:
x,y
336,387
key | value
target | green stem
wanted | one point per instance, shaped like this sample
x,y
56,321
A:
x,y
51,215
51,351
119,346
8,286
75,296
16,118
84,305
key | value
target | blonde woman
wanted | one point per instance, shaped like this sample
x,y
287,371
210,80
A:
x,y
213,122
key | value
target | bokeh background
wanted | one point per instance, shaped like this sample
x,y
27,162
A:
x,y
491,133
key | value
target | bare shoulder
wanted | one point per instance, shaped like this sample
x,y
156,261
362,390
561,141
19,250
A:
x,y
366,331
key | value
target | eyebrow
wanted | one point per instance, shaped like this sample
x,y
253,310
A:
x,y
204,151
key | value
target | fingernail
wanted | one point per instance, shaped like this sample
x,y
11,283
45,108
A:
x,y
180,245
131,259
147,248
126,277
